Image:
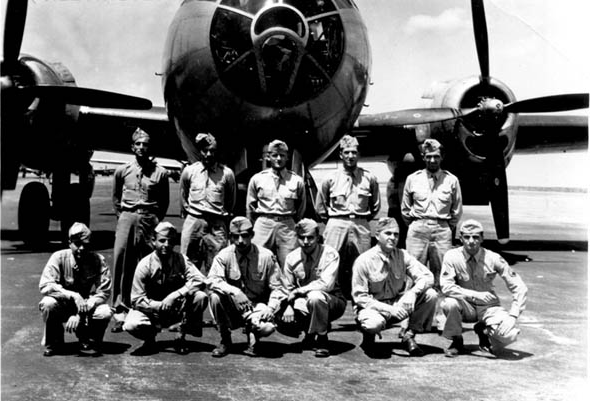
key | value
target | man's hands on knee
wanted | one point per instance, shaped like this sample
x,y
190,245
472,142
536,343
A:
x,y
288,314
72,323
507,324
241,300
79,301
408,301
169,301
398,312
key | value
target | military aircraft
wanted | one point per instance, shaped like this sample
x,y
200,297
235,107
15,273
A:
x,y
254,70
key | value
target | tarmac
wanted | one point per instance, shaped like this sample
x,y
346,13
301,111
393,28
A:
x,y
548,362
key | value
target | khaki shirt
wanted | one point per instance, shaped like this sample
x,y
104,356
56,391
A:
x,y
460,278
425,199
90,277
205,190
152,282
258,276
134,187
344,194
378,279
276,194
318,271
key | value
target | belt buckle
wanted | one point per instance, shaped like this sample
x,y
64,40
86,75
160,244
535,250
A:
x,y
352,216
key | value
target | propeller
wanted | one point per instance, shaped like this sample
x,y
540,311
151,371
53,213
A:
x,y
14,26
480,30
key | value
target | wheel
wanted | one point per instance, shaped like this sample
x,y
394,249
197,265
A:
x,y
33,214
78,208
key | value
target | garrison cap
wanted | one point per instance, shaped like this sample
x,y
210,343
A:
x,y
278,146
166,229
240,225
471,226
139,134
79,232
205,139
306,227
385,223
431,145
348,141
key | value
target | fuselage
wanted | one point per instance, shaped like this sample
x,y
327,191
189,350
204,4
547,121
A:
x,y
253,71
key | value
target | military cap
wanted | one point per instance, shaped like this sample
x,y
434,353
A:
x,y
139,134
306,227
79,232
205,139
471,226
278,146
240,225
166,229
348,141
431,145
385,223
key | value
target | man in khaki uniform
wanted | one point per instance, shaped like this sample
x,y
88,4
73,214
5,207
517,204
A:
x,y
167,288
244,289
76,285
140,199
310,280
349,198
378,282
207,198
467,279
431,207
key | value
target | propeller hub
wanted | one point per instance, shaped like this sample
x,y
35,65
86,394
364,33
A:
x,y
491,106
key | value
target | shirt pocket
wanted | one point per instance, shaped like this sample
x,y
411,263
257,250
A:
x,y
299,272
215,194
198,190
289,196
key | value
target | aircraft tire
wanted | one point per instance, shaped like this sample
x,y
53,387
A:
x,y
33,214
78,208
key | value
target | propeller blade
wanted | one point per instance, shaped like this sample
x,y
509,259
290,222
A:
x,y
14,28
498,188
86,97
545,104
412,117
480,30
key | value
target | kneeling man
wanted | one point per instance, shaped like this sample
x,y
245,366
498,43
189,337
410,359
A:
x,y
75,284
467,279
245,289
310,278
167,288
378,282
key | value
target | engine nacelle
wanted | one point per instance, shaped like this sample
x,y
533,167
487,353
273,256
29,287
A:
x,y
467,93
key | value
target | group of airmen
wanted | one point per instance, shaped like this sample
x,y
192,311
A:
x,y
271,270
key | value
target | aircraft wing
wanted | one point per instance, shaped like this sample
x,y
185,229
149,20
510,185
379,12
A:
x,y
111,130
550,133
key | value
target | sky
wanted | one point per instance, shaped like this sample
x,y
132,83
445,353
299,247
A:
x,y
536,46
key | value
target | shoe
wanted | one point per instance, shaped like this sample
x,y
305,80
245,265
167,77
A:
x,y
180,345
456,348
368,344
51,350
412,347
148,347
484,341
118,327
308,342
321,349
221,350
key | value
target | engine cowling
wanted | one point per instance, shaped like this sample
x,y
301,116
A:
x,y
469,131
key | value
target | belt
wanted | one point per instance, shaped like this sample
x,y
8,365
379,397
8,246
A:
x,y
141,210
350,217
277,217
433,221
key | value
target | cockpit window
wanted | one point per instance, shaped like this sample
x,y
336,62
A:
x,y
289,56
344,4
